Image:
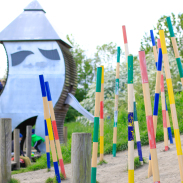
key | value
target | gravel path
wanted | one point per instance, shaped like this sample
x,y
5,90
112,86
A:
x,y
116,168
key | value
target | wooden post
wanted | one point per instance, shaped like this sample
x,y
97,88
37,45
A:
x,y
102,117
96,126
17,148
175,48
81,157
130,122
65,134
116,104
172,102
55,131
137,132
24,145
5,149
49,126
163,101
28,141
149,119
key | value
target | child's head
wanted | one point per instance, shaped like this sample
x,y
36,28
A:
x,y
33,131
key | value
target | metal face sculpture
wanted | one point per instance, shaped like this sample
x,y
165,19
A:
x,y
33,48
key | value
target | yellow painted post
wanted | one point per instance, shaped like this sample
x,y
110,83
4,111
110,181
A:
x,y
172,103
102,117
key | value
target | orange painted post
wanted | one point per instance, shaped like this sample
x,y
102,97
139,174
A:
x,y
55,131
50,131
102,117
149,119
172,102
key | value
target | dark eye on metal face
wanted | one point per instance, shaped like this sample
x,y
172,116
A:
x,y
18,57
50,54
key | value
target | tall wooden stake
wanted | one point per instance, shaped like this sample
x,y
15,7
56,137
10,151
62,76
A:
x,y
55,131
96,126
149,119
175,48
130,122
172,103
50,131
134,102
163,101
102,117
116,103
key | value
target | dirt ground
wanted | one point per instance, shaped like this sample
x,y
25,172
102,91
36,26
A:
x,y
116,168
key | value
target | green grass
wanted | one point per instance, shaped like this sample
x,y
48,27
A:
x,y
102,162
14,181
54,180
137,163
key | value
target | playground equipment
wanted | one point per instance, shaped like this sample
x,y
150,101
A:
x,y
172,102
34,48
134,102
96,126
175,49
149,119
163,101
130,122
47,142
55,131
49,125
102,117
116,104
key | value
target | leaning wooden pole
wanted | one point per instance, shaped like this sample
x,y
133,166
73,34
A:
x,y
96,126
175,48
165,117
149,118
47,142
168,125
163,103
50,132
172,102
116,103
137,133
55,131
102,117
130,122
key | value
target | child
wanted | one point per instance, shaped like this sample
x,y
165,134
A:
x,y
36,141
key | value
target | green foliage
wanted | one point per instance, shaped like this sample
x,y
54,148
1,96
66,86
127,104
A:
x,y
177,23
14,181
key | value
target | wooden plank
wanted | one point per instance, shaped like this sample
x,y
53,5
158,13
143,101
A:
x,y
5,149
81,157
17,148
28,140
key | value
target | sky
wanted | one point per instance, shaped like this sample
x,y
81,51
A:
x,y
95,22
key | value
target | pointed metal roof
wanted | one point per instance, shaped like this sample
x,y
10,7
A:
x,y
34,6
32,25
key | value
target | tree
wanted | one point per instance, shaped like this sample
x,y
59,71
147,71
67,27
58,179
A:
x,y
177,23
